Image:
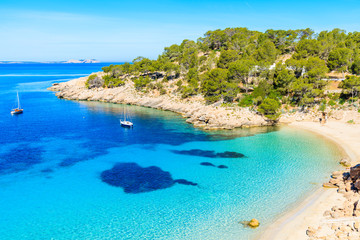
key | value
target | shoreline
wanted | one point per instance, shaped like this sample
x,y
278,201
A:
x,y
293,224
195,110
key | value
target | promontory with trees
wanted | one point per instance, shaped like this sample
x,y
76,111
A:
x,y
270,73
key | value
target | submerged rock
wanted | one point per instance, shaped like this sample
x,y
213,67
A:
x,y
222,166
207,164
185,182
209,154
228,154
135,179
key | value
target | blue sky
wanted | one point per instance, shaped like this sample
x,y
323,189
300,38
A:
x,y
115,30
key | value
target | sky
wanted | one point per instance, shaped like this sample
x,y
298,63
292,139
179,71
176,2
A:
x,y
117,31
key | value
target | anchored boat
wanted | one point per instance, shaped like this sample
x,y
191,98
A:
x,y
17,110
126,123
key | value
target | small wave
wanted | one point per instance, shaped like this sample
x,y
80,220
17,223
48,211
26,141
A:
x,y
42,75
44,82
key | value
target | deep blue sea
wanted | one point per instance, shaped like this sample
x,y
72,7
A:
x,y
68,170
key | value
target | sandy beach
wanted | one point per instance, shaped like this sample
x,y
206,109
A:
x,y
310,213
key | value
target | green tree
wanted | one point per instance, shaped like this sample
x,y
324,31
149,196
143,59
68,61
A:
x,y
226,57
214,83
215,39
172,53
283,78
266,53
270,109
240,70
307,48
315,68
355,67
339,59
350,86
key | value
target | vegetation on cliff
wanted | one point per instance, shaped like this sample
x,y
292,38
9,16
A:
x,y
264,70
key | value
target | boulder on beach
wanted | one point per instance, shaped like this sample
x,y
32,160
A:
x,y
329,185
357,184
355,172
345,162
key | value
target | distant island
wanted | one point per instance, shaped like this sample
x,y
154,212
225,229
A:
x,y
82,61
52,62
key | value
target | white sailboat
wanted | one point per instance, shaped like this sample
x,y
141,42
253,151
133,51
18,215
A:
x,y
126,123
17,110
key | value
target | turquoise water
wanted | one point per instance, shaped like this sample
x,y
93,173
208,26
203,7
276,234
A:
x,y
54,157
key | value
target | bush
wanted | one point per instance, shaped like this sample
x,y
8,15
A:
x,y
258,100
112,82
212,99
246,101
332,103
179,83
162,91
141,82
202,59
322,107
187,92
203,68
94,81
334,96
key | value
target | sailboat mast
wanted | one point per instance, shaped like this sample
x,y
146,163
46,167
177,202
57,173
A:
x,y
124,114
17,93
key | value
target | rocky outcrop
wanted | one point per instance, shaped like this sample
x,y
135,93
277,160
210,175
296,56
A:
x,y
213,116
341,221
197,112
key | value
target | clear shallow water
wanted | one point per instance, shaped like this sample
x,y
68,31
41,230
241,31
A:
x,y
53,156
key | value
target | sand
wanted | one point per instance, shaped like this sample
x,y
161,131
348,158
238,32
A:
x,y
293,225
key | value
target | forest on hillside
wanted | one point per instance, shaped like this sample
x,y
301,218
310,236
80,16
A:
x,y
265,70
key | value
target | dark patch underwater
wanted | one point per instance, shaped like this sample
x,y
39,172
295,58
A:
x,y
20,158
133,178
209,154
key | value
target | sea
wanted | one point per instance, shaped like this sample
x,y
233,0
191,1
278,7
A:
x,y
68,170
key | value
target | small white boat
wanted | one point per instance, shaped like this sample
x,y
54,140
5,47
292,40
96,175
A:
x,y
126,123
17,110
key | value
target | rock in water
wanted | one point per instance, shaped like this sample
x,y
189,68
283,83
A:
x,y
254,223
